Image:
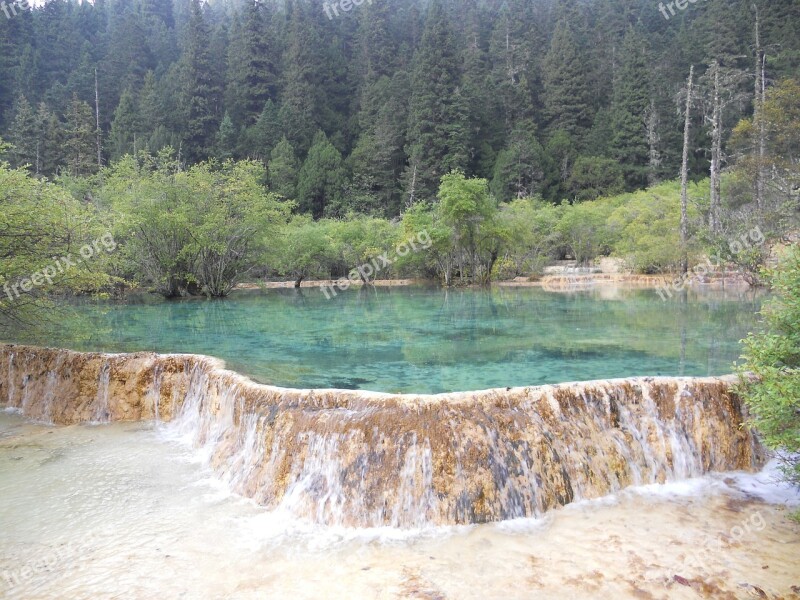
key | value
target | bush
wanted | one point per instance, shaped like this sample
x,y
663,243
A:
x,y
770,374
647,224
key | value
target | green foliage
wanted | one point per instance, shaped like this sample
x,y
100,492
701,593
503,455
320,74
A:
x,y
583,229
646,228
594,176
770,371
532,236
284,169
437,132
304,250
40,224
322,179
195,231
521,168
567,95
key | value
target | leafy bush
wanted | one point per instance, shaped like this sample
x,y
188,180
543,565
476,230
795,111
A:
x,y
647,227
770,373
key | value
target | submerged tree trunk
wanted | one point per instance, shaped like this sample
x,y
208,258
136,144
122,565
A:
x,y
685,176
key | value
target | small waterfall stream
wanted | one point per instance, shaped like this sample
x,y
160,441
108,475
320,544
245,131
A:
x,y
364,459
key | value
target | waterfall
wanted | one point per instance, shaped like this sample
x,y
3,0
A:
x,y
102,411
356,458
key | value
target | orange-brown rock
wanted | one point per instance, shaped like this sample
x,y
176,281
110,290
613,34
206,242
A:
x,y
368,459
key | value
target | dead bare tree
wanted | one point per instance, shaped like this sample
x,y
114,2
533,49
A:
x,y
685,175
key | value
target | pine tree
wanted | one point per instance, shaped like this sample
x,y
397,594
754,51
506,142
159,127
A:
x,y
225,143
261,138
23,135
567,100
79,138
437,132
283,170
629,108
321,180
301,109
521,168
126,126
378,160
199,97
51,140
252,67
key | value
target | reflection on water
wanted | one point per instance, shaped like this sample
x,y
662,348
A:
x,y
123,511
424,339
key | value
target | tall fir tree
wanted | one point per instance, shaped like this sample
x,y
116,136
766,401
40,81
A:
x,y
199,100
23,135
567,100
629,110
438,128
283,170
321,180
252,64
79,138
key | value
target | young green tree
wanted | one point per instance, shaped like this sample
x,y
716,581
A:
x,y
23,135
79,138
225,143
283,170
469,210
769,376
38,221
125,126
322,178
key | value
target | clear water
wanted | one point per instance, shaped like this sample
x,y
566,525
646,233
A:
x,y
423,340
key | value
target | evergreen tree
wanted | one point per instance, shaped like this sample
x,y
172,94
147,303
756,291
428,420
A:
x,y
521,168
283,170
300,112
261,138
23,135
199,97
51,140
79,138
378,160
322,179
567,100
225,143
126,126
629,107
252,66
437,132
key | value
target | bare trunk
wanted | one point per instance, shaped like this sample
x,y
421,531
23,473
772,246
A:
x,y
654,141
685,176
97,115
716,157
411,196
758,103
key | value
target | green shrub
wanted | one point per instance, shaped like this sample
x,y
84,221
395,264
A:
x,y
770,373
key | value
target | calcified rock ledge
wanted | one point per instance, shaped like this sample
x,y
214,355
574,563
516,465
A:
x,y
367,459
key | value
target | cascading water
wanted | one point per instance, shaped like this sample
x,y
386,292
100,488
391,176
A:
x,y
101,411
363,459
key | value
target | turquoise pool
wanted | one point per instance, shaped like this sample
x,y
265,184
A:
x,y
422,339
